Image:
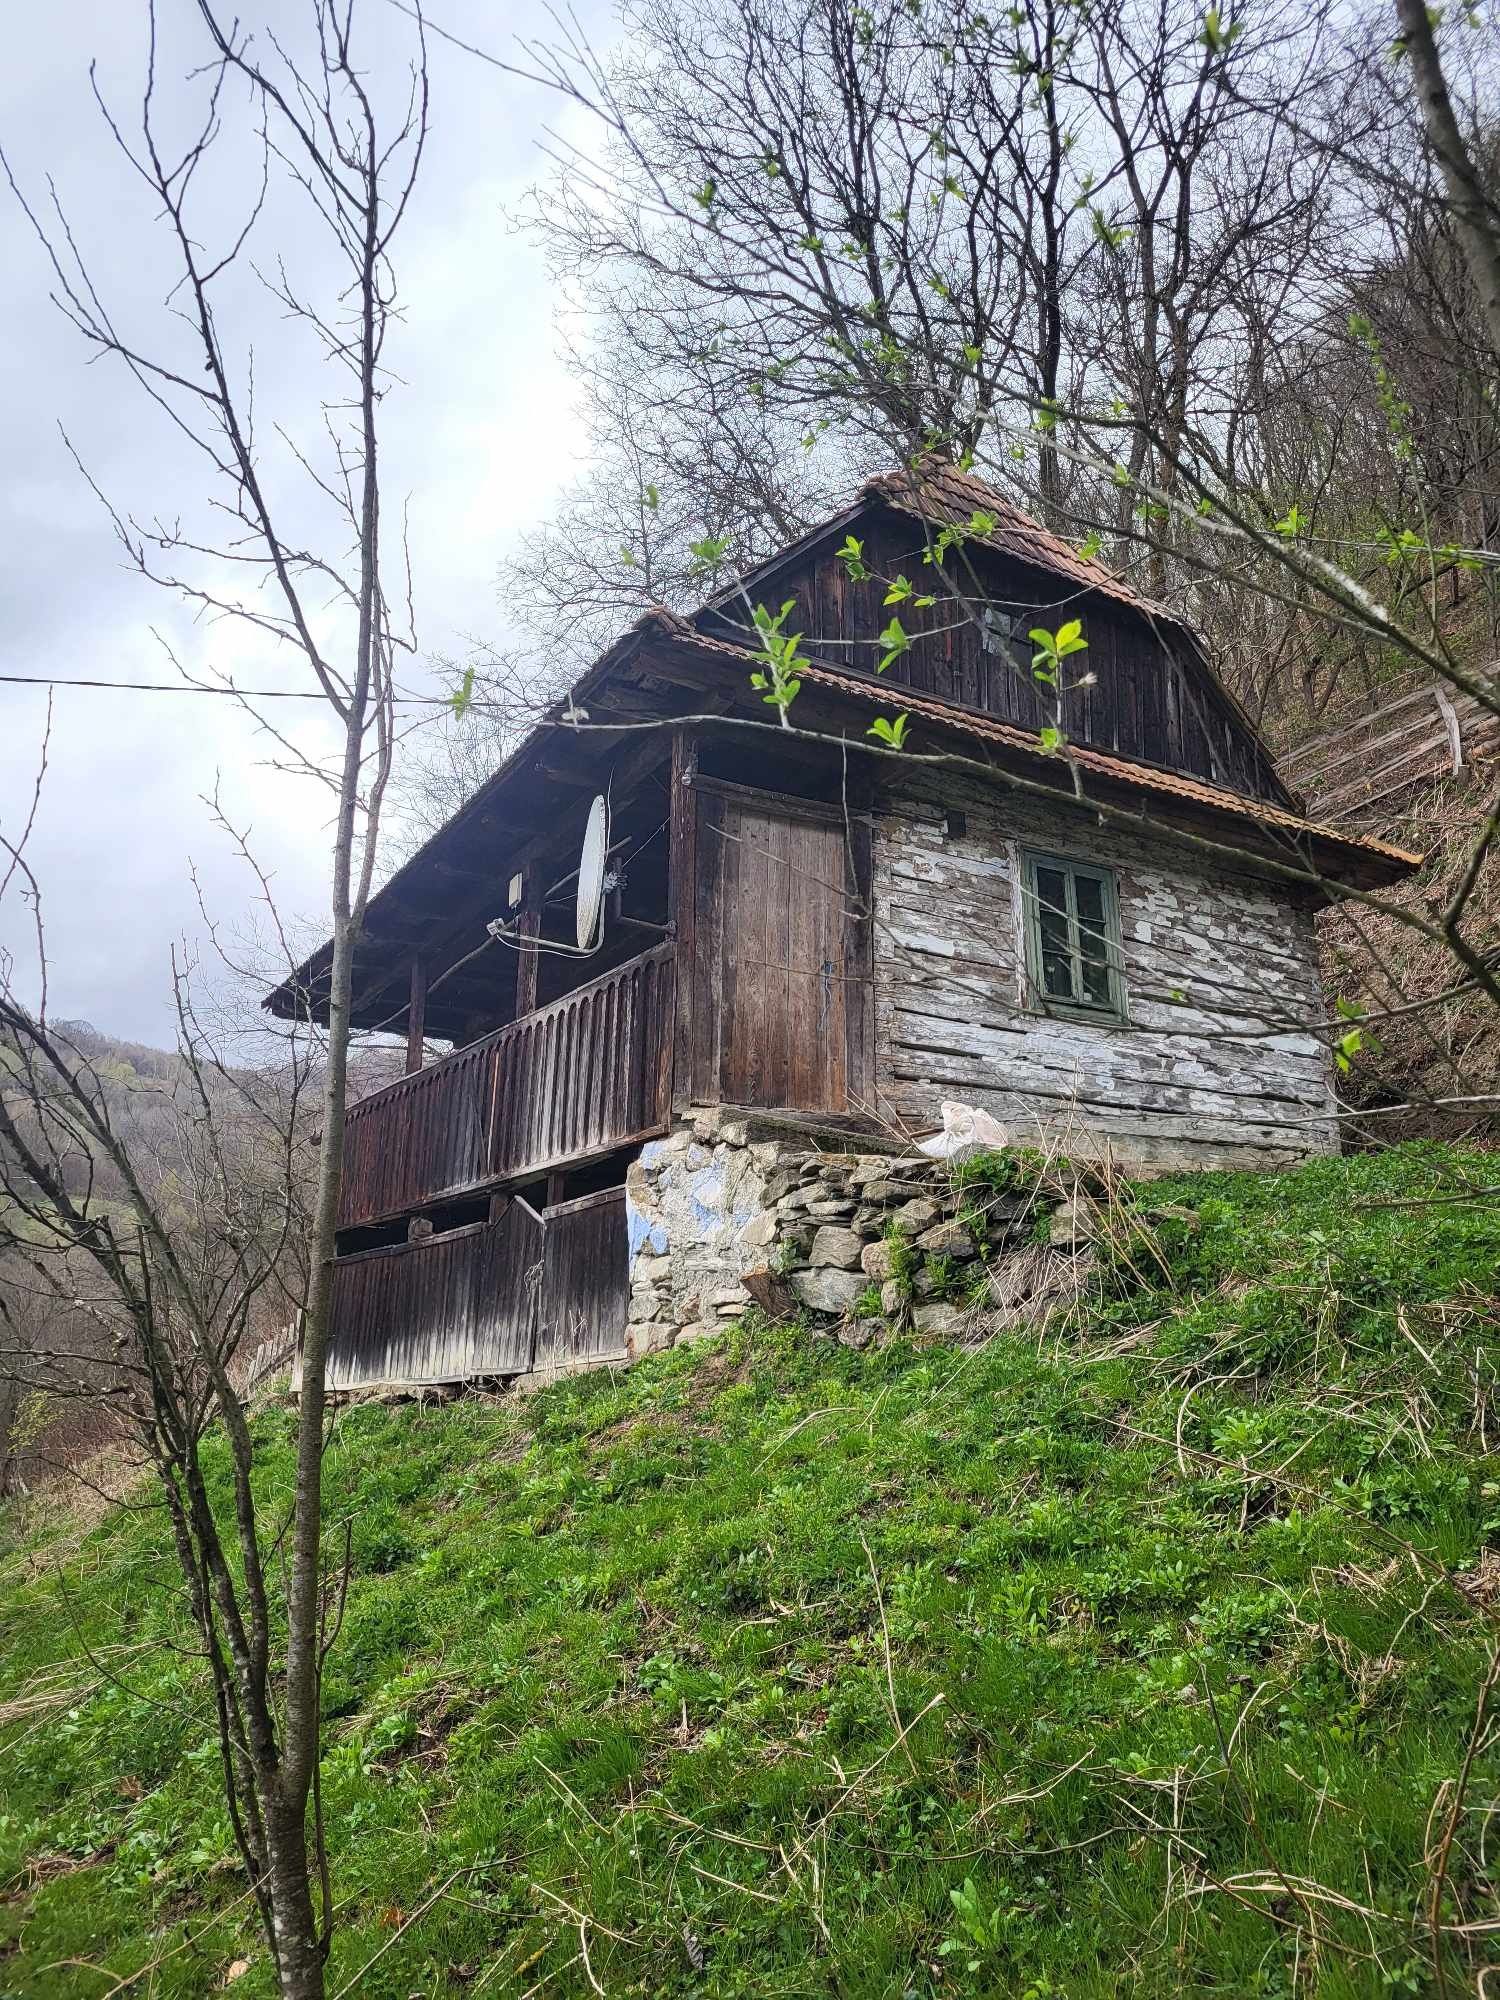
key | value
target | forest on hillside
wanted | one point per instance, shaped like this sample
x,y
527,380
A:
x,y
163,1108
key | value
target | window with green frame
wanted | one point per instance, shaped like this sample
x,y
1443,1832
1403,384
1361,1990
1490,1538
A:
x,y
1072,918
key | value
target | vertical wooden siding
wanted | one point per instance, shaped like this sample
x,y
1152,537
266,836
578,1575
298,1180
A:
x,y
1148,699
585,1291
779,974
588,1071
497,1298
419,1137
440,1310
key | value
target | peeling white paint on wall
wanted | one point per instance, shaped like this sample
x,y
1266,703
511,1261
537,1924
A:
x,y
1225,1075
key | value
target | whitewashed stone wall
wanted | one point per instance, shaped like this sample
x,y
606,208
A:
x,y
699,1209
729,1211
1216,1077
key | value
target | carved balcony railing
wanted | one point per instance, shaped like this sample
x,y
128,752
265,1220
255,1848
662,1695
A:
x,y
577,1077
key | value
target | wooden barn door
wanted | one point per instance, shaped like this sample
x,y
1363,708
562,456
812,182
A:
x,y
780,972
585,1296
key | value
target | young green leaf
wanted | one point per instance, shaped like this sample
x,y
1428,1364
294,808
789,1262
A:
x,y
462,696
891,733
1218,33
852,556
1070,638
895,641
711,550
1052,648
1112,235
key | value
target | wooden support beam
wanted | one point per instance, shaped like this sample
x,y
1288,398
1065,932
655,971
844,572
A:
x,y
473,875
416,1014
568,774
682,890
530,926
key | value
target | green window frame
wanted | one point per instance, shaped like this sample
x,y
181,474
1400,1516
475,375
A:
x,y
1071,915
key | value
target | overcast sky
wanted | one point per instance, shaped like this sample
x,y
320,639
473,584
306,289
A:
x,y
481,436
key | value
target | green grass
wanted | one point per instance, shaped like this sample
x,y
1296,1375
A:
x,y
1176,1672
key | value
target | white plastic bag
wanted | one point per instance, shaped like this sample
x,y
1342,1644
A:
x,y
966,1129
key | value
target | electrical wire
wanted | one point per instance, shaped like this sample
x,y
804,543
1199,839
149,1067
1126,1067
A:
x,y
192,687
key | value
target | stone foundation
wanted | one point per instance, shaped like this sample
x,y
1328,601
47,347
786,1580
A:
x,y
732,1211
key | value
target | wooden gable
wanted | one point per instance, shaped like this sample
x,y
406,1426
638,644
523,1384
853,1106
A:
x,y
1153,698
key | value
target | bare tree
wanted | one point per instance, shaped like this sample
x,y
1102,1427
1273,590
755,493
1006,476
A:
x,y
132,1292
326,138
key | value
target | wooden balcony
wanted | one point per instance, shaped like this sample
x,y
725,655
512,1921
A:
x,y
577,1077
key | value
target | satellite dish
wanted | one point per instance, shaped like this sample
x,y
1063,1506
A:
x,y
591,875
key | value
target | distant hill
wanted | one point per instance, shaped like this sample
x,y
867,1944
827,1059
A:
x,y
155,1109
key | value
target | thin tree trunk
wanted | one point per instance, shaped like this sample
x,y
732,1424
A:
x,y
1473,217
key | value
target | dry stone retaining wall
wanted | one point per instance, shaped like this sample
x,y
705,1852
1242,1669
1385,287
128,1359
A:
x,y
732,1211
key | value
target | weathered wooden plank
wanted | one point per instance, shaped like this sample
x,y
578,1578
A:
x,y
682,879
563,1082
1231,1068
416,1011
585,1282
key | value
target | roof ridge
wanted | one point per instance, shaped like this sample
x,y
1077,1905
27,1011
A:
x,y
941,490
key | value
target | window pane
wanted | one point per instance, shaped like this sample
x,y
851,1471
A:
x,y
1056,959
1093,939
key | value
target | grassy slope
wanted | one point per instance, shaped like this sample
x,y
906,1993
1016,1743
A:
x,y
617,1653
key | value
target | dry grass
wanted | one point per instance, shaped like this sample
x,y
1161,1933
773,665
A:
x,y
1446,1048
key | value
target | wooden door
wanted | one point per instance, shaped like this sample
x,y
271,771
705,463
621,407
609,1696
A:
x,y
780,986
584,1300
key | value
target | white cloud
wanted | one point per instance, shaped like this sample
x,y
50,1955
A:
x,y
480,437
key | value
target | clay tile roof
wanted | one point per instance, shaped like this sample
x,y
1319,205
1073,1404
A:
x,y
943,496
1008,736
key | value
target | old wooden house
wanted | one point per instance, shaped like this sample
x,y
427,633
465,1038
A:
x,y
1109,935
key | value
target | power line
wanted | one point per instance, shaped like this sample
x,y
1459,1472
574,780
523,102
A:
x,y
193,687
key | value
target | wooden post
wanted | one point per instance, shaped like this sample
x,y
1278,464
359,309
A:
x,y
416,1014
530,927
1450,724
682,890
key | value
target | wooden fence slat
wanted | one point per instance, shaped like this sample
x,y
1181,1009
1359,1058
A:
x,y
1428,732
